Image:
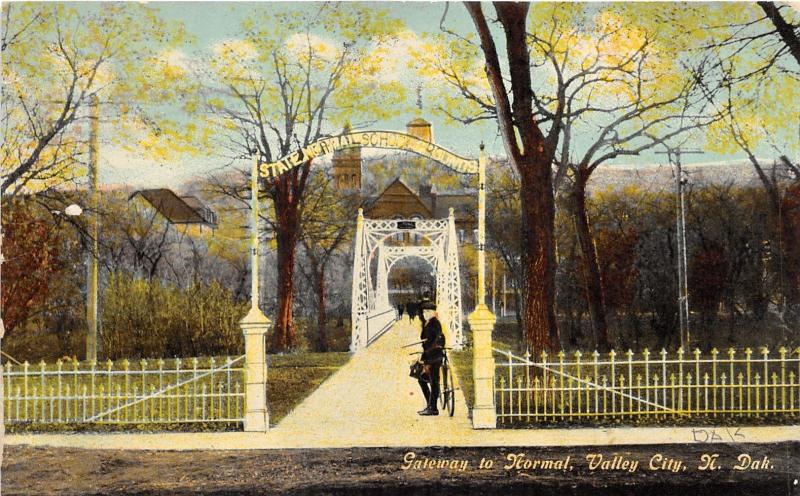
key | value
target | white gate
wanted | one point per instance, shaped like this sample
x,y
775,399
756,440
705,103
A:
x,y
371,313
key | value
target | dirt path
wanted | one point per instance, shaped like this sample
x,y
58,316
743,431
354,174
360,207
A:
x,y
366,471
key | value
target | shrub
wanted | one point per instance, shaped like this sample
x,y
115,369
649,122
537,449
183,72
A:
x,y
150,319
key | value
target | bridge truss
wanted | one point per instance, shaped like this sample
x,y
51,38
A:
x,y
372,314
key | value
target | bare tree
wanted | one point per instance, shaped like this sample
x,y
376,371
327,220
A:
x,y
327,227
532,153
281,88
57,60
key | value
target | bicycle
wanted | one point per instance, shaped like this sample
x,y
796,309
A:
x,y
447,389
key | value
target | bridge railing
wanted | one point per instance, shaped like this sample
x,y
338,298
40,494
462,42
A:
x,y
378,322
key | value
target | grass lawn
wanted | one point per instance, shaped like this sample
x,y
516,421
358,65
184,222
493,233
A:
x,y
292,377
462,361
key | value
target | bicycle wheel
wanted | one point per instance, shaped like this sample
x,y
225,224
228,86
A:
x,y
450,400
443,392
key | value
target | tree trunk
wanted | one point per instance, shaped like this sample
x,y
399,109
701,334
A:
x,y
284,336
532,155
322,315
593,283
784,29
538,218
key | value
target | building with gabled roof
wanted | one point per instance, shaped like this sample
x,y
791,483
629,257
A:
x,y
187,210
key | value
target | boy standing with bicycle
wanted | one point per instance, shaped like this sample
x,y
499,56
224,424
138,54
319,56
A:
x,y
433,343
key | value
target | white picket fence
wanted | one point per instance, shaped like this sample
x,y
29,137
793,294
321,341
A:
x,y
124,392
588,387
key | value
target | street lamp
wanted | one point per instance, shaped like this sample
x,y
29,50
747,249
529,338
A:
x,y
73,210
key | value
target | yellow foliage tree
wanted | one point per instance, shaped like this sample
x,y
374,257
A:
x,y
56,59
292,76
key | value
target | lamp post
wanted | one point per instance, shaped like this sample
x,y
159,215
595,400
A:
x,y
254,326
92,257
481,322
91,274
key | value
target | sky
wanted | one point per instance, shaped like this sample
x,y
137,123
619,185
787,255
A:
x,y
212,22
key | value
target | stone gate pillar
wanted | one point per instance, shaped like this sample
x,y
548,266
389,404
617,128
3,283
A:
x,y
481,323
255,325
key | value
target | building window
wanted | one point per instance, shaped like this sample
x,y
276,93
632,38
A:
x,y
461,236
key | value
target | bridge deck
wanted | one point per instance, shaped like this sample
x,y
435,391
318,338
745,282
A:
x,y
373,401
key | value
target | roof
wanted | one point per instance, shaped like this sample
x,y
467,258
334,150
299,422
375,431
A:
x,y
177,210
418,122
464,203
396,188
198,206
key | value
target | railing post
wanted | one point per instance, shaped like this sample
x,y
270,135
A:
x,y
484,413
256,416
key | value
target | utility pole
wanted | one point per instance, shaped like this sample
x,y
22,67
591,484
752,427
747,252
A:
x,y
91,274
683,285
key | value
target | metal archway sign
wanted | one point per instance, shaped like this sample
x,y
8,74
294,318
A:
x,y
395,141
370,139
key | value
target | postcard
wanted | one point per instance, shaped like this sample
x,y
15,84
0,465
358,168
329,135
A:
x,y
400,248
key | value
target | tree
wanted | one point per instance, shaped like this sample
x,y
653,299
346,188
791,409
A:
x,y
281,87
327,226
532,153
31,247
624,91
758,66
608,82
56,60
787,31
503,230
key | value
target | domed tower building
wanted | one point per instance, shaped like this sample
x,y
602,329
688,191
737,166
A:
x,y
346,167
421,129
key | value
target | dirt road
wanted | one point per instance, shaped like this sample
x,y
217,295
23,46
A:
x,y
434,471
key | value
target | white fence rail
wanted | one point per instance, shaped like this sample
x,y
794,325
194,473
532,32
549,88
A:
x,y
729,384
378,322
124,392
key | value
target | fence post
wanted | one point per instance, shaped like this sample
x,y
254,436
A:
x,y
680,378
748,353
484,413
255,325
646,355
59,396
714,353
765,360
611,355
